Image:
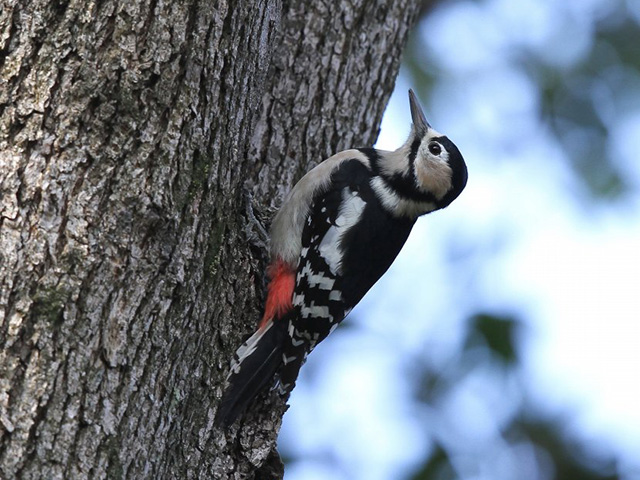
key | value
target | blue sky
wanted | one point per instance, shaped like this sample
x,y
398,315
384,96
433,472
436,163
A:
x,y
520,239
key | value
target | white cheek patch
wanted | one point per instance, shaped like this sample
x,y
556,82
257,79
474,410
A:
x,y
349,215
434,174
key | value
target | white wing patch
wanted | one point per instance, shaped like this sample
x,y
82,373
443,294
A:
x,y
329,249
351,210
287,226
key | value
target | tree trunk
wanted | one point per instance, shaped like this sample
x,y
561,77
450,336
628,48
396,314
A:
x,y
128,134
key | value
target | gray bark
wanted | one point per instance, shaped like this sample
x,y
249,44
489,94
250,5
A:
x,y
127,132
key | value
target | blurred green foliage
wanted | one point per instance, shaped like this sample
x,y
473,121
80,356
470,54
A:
x,y
496,334
437,466
580,101
559,455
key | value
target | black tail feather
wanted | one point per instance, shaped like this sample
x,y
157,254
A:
x,y
256,371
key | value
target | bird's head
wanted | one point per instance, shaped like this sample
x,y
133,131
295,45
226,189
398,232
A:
x,y
437,164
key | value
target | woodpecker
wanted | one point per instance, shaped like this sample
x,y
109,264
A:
x,y
336,234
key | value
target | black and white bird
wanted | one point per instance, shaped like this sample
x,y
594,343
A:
x,y
336,234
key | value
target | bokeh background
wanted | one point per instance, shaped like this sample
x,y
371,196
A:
x,y
504,343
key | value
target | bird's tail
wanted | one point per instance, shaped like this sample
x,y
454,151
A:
x,y
253,366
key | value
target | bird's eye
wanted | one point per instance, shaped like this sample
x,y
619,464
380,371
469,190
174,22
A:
x,y
435,148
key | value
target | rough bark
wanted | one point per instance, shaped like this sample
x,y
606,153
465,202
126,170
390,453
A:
x,y
128,133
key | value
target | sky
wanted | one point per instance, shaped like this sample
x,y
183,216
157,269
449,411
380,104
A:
x,y
521,239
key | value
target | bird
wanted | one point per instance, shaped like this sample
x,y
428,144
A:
x,y
337,232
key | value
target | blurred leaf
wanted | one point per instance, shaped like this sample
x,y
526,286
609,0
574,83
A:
x,y
436,467
497,333
623,33
573,102
429,385
571,459
572,97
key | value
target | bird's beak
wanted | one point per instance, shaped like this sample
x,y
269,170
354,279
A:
x,y
420,123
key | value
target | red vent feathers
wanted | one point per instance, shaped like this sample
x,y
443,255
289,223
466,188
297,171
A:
x,y
280,294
